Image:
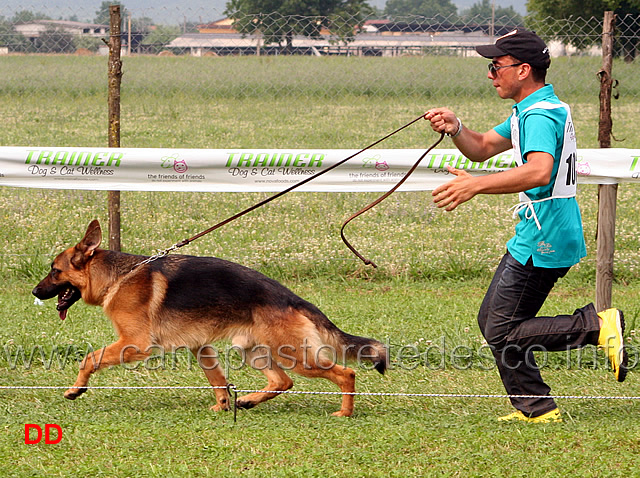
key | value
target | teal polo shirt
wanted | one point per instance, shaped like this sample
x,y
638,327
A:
x,y
559,242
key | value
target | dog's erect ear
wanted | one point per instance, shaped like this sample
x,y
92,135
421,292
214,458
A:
x,y
89,243
92,238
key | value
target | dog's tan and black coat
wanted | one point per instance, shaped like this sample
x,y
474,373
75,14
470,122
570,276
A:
x,y
186,301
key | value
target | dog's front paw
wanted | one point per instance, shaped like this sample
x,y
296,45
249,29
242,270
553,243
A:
x,y
74,393
342,413
244,404
221,407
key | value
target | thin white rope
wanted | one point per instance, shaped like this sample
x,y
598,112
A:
x,y
304,392
61,387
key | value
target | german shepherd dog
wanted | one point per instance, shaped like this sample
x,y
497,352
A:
x,y
184,301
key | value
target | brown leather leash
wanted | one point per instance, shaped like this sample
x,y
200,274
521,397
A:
x,y
379,200
297,185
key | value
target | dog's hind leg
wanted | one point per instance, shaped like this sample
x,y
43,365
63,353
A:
x,y
207,358
343,377
119,352
278,380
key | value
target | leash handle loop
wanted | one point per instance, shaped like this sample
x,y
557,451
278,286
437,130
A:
x,y
379,200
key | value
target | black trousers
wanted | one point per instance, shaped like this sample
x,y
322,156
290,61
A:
x,y
508,321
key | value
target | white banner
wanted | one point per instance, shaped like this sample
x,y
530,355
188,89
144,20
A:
x,y
151,169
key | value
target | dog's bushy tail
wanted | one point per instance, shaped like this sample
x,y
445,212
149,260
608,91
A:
x,y
363,348
348,347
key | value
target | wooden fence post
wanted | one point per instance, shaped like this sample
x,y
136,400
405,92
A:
x,y
607,193
115,77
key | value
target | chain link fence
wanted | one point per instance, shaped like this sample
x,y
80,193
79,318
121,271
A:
x,y
200,67
180,64
181,56
204,33
195,79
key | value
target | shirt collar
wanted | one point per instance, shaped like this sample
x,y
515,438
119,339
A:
x,y
545,92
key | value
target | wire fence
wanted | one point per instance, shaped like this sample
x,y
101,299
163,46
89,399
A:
x,y
365,33
178,62
200,78
233,391
187,32
202,55
186,56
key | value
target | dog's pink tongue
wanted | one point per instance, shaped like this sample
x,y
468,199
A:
x,y
63,314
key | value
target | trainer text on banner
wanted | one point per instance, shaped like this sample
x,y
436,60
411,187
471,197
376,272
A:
x,y
151,169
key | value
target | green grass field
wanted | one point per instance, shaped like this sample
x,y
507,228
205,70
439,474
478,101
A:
x,y
433,270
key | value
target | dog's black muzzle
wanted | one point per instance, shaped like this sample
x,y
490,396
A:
x,y
44,292
67,295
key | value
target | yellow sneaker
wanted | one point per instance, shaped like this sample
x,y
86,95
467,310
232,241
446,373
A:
x,y
517,415
550,417
611,340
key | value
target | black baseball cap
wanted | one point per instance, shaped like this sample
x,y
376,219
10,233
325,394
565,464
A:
x,y
521,44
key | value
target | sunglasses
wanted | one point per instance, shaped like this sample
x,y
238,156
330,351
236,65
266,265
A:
x,y
493,69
